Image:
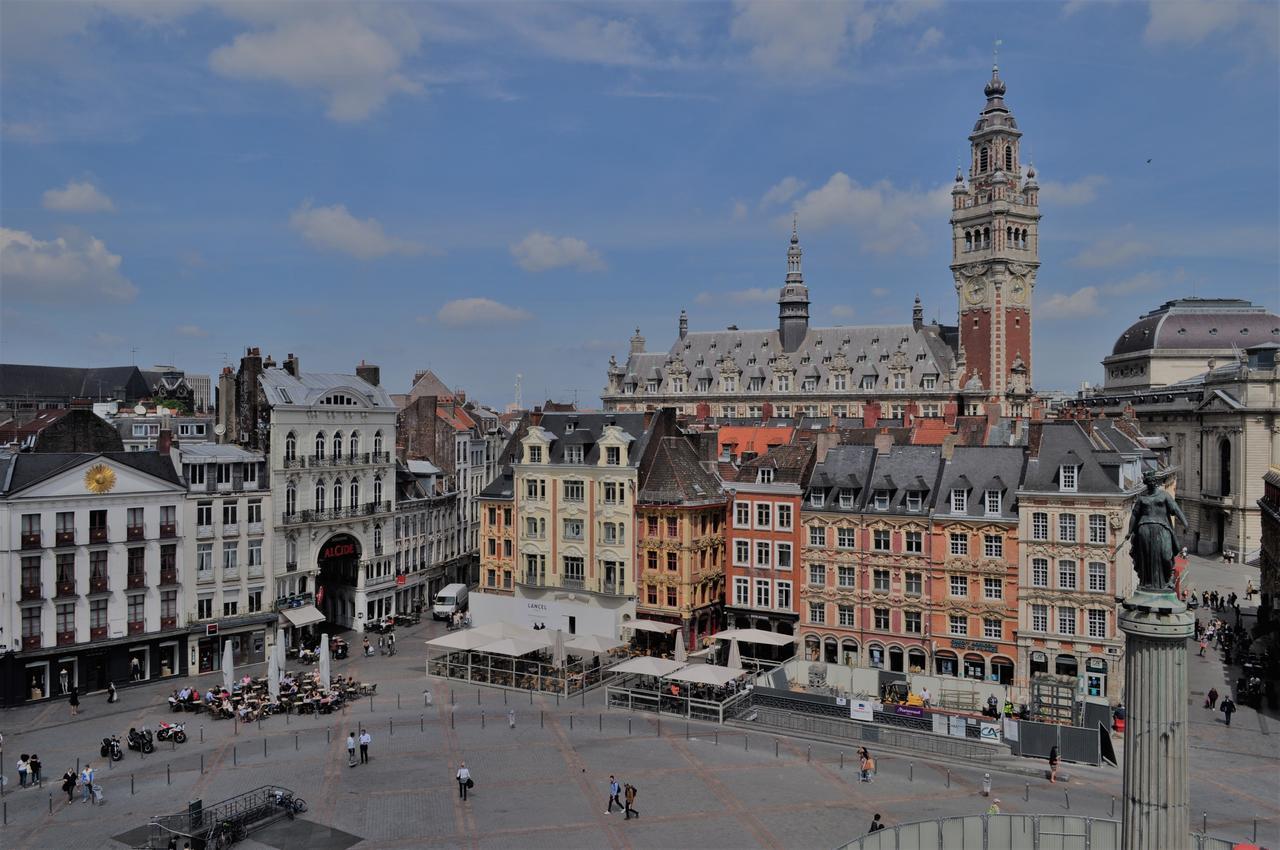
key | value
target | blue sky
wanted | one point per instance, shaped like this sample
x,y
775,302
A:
x,y
493,189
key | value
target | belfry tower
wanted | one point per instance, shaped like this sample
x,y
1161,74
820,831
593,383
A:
x,y
995,228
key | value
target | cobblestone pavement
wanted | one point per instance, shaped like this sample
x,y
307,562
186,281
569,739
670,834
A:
x,y
544,783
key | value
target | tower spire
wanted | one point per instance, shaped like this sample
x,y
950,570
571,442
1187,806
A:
x,y
794,275
793,300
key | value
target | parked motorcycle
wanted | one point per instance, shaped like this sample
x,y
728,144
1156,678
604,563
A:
x,y
176,731
111,747
141,740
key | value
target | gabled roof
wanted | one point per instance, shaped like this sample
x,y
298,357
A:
x,y
754,439
19,379
791,465
976,469
24,470
586,429
676,475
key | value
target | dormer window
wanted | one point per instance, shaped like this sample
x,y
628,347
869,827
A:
x,y
882,500
915,500
613,456
959,501
677,385
573,454
839,382
899,381
810,385
929,381
1067,477
846,497
817,498
993,499
651,386
729,384
783,382
535,454
764,475
868,382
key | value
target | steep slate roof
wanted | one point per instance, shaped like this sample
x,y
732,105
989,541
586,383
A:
x,y
17,379
843,467
901,470
677,476
1200,323
1063,442
281,388
24,470
926,352
977,469
587,429
791,465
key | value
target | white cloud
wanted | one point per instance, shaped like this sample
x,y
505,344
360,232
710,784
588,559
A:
x,y
879,292
883,218
479,311
814,40
929,39
77,197
539,252
1082,191
738,296
193,331
1075,305
781,192
335,229
1111,252
589,39
1192,21
356,67
843,311
65,270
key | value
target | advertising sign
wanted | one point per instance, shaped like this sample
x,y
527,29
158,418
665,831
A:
x,y
990,732
956,727
908,710
860,709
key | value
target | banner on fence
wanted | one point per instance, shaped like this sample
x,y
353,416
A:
x,y
956,727
861,709
990,732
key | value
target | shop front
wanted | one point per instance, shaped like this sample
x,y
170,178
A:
x,y
246,635
52,672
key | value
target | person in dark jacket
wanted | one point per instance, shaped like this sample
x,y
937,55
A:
x,y
1228,708
69,785
876,824
75,700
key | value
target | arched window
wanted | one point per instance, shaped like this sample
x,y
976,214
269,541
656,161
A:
x,y
1008,158
984,159
377,490
1009,237
290,499
291,446
320,445
377,540
355,493
320,491
986,237
337,445
1024,237
377,442
354,443
291,550
1224,467
968,241
337,495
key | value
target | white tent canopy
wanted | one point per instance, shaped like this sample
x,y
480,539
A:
x,y
513,647
594,644
650,626
646,666
755,636
468,639
707,674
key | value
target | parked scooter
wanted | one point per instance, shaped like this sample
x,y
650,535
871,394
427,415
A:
x,y
176,731
111,747
141,740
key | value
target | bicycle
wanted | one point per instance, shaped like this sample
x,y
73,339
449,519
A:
x,y
292,805
225,834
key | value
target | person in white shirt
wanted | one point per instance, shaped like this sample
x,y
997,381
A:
x,y
924,695
464,780
365,740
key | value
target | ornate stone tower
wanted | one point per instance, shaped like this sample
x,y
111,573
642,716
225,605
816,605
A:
x,y
995,224
793,300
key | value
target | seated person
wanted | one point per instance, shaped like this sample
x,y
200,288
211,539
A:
x,y
175,703
226,709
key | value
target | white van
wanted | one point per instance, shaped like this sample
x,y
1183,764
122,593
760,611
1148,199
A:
x,y
451,598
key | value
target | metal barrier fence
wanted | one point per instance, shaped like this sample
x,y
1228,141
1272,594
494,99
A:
x,y
633,699
1074,743
793,722
1009,832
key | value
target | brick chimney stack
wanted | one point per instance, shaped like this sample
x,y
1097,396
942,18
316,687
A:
x,y
368,373
292,366
870,414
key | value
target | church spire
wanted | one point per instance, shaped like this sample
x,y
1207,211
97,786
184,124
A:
x,y
794,275
793,300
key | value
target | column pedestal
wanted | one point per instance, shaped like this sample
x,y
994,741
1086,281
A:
x,y
1156,792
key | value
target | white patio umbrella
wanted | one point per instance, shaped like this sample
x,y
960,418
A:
x,y
681,654
273,675
228,667
735,656
557,649
324,661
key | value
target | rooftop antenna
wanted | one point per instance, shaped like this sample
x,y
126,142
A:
x,y
519,392
133,356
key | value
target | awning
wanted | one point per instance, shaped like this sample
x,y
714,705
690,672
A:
x,y
303,615
514,647
650,626
755,636
645,666
707,674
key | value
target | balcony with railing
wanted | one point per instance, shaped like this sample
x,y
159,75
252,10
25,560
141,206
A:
x,y
66,638
231,529
137,627
614,588
168,529
297,600
97,534
64,538
168,622
532,579
97,632
168,576
31,540
573,583
253,571
204,532
31,592
31,641
66,588
135,532
136,581
99,584
254,527
204,576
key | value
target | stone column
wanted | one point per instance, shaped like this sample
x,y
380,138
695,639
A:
x,y
1156,792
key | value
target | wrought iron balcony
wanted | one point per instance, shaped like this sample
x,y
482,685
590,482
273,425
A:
x,y
135,532
32,591
31,540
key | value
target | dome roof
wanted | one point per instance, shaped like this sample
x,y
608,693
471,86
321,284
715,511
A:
x,y
1200,323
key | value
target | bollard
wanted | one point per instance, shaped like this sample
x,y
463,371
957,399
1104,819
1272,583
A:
x,y
6,808
451,720
542,719
168,775
557,699
422,722
236,720
570,722
397,702
391,727
286,716
451,696
808,754
477,696
1204,823
1026,794
326,736
628,725
530,696
202,733
601,723
1067,795
110,766
986,784
842,759
504,697
746,743
686,730
202,764
235,758
1113,805
482,720
264,748
659,725
948,777
130,785
295,742
259,722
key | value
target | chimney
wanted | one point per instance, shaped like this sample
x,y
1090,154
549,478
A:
x,y
648,416
1037,411
766,411
535,417
949,445
292,366
917,315
369,373
684,324
637,343
164,443
949,412
870,414
703,411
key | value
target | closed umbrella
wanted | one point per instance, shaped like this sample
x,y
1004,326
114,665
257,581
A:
x,y
681,654
324,661
273,676
557,649
228,668
735,656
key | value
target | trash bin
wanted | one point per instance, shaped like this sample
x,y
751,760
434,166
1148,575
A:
x,y
986,784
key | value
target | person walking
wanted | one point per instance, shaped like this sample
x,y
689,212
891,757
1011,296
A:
x,y
33,770
86,784
615,793
1228,709
464,780
69,785
1212,699
876,824
111,692
351,750
865,765
135,670
1204,644
365,740
22,771
994,808
1053,763
75,700
630,796
511,719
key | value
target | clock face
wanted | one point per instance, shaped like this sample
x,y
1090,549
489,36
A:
x,y
977,289
1018,290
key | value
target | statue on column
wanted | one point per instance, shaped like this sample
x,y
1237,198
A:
x,y
1154,542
